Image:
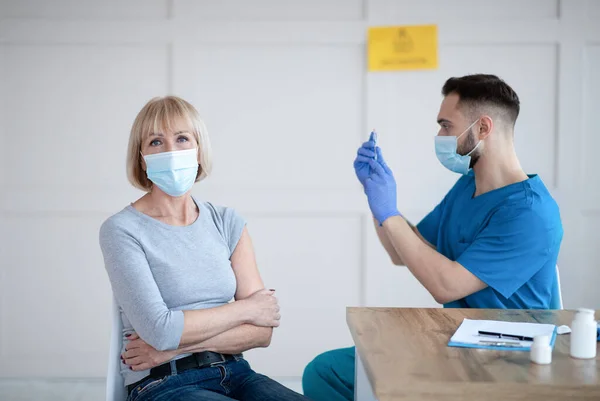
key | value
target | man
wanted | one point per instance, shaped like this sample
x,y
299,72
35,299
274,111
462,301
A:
x,y
492,242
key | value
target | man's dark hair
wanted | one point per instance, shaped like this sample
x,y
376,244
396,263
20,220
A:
x,y
482,91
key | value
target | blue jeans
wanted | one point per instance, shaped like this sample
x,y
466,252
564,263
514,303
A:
x,y
233,380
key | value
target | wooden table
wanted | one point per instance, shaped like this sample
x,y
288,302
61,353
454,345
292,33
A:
x,y
405,357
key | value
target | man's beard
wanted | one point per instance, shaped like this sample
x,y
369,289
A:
x,y
467,146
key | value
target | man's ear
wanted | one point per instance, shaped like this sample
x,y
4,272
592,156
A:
x,y
486,125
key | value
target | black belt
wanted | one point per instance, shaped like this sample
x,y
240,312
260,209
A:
x,y
197,360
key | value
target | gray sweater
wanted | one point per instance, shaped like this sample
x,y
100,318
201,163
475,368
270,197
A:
x,y
157,270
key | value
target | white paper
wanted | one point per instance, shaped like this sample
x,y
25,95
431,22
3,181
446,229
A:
x,y
467,332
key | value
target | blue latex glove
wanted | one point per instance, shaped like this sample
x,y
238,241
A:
x,y
361,163
380,188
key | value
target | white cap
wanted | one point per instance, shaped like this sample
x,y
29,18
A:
x,y
541,352
584,314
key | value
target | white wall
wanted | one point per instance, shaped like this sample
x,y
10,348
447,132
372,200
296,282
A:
x,y
283,88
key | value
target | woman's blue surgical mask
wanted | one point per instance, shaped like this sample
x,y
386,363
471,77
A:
x,y
446,151
173,172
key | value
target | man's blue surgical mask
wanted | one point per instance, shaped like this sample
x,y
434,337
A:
x,y
173,172
446,151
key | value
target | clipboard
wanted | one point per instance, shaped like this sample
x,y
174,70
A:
x,y
466,336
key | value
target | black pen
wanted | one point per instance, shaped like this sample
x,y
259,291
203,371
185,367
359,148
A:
x,y
501,335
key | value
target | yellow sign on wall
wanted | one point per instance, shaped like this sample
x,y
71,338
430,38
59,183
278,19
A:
x,y
401,48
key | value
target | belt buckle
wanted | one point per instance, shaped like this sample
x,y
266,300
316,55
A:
x,y
197,358
218,362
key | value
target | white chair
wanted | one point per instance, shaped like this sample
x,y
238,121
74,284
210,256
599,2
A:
x,y
556,302
115,386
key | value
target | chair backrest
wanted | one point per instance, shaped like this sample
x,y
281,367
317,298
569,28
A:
x,y
556,300
115,386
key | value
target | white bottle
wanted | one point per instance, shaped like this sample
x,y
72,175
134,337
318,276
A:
x,y
541,352
583,334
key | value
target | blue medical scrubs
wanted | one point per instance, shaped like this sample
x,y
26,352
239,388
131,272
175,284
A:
x,y
509,238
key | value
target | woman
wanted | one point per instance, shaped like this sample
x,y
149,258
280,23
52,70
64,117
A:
x,y
174,264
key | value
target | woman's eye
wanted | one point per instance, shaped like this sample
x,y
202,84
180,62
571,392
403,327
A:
x,y
182,139
155,142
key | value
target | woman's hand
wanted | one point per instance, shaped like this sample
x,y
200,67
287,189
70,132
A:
x,y
141,356
263,309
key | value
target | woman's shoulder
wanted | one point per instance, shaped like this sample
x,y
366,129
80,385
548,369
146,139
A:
x,y
124,220
212,207
219,214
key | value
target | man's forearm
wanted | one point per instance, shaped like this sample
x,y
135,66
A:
x,y
387,245
386,241
427,265
233,341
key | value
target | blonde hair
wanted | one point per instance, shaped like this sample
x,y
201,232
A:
x,y
161,114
